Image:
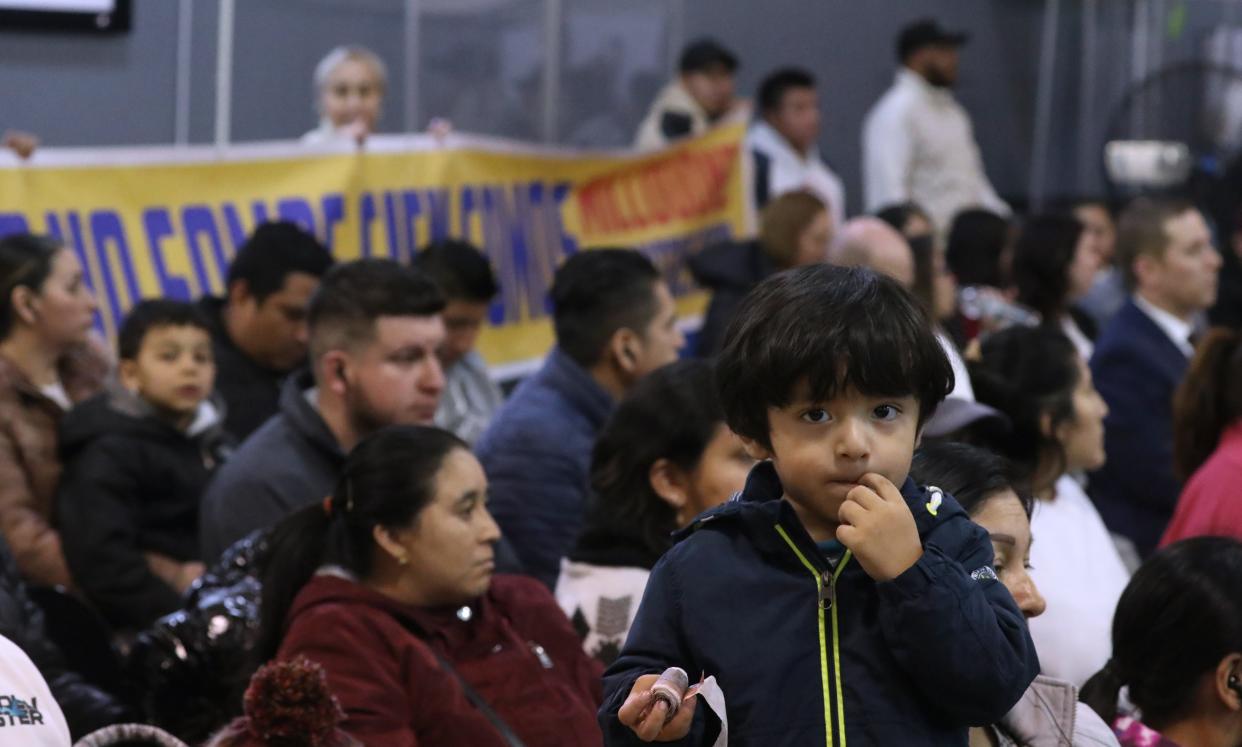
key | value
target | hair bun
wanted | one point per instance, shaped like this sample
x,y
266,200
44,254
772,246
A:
x,y
997,389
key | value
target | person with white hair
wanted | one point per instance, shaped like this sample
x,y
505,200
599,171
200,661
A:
x,y
350,83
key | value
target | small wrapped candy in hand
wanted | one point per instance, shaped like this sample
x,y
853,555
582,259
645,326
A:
x,y
671,689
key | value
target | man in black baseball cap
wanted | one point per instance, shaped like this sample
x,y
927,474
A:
x,y
918,142
701,95
925,32
707,55
930,50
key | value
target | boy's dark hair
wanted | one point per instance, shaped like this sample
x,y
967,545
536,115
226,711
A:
x,y
460,269
703,55
597,292
273,252
970,474
353,295
153,313
774,87
672,413
835,328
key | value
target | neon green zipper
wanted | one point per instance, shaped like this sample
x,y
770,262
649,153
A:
x,y
826,589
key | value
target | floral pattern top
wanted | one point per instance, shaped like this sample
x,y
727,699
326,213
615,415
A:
x,y
1132,733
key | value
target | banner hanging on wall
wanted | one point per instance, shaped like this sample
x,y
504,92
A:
x,y
165,222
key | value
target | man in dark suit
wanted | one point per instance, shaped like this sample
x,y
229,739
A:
x,y
1171,268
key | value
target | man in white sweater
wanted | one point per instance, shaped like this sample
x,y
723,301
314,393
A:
x,y
918,142
784,143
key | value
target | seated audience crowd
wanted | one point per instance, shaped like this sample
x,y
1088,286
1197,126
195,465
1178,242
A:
x,y
944,473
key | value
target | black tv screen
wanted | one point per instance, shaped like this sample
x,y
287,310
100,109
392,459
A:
x,y
100,16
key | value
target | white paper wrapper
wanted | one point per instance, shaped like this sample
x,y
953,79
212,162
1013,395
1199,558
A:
x,y
709,690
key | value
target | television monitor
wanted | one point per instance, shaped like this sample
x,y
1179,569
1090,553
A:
x,y
97,16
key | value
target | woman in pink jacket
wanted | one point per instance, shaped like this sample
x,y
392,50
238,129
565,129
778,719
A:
x,y
1207,440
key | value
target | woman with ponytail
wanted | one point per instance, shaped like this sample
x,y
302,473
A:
x,y
1177,649
48,363
389,586
1037,379
1207,440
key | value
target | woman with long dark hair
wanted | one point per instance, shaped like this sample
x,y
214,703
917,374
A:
x,y
664,457
389,586
47,365
1035,377
1177,649
1054,265
1207,440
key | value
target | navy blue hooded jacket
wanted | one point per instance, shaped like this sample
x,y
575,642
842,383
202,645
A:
x,y
537,456
801,646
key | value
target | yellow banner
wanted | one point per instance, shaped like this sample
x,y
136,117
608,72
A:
x,y
150,222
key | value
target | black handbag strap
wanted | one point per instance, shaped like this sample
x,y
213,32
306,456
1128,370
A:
x,y
477,700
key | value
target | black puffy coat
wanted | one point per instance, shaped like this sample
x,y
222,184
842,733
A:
x,y
193,665
131,486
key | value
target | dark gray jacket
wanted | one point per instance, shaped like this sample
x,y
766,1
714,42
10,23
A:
x,y
292,461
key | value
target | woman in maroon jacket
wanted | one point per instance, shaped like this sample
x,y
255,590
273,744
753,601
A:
x,y
389,586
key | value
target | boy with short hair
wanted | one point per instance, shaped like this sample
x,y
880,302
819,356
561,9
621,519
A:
x,y
833,597
137,459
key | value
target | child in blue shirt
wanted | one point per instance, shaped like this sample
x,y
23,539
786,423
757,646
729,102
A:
x,y
835,601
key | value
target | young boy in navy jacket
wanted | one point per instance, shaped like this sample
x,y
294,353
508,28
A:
x,y
835,601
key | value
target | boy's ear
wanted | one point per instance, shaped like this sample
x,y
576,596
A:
x,y
669,482
127,374
754,449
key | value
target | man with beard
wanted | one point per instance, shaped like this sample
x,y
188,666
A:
x,y
918,143
375,328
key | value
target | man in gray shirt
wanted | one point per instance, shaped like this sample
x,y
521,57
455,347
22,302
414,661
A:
x,y
465,277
